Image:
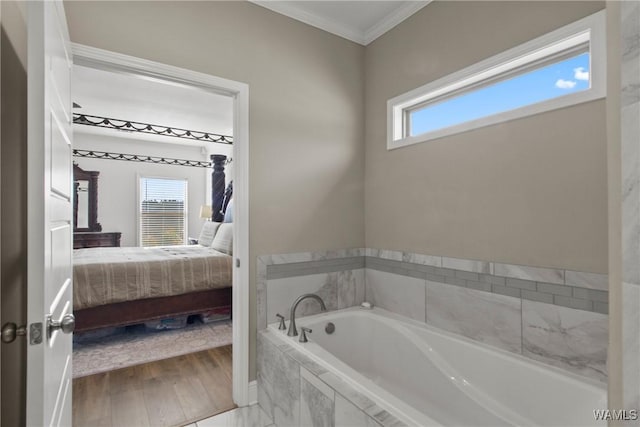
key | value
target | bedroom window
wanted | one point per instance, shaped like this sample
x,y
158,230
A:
x,y
559,69
163,211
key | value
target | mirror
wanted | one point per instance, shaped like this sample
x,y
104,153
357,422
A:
x,y
82,195
85,203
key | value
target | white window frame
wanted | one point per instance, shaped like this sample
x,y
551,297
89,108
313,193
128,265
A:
x,y
590,29
140,177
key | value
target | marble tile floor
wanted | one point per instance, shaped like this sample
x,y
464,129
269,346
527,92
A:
x,y
247,416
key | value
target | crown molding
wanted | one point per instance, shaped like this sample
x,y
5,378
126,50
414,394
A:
x,y
288,9
344,31
392,20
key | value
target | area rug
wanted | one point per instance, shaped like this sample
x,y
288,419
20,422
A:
x,y
135,345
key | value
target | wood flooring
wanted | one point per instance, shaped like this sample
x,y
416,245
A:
x,y
170,392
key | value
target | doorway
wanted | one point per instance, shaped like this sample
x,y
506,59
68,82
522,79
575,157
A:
x,y
238,94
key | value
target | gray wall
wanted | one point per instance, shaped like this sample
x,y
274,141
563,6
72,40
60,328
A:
x,y
13,137
531,191
306,109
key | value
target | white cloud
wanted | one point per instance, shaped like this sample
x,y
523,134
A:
x,y
580,73
565,84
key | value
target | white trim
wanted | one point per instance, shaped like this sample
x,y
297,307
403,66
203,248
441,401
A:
x,y
138,196
290,10
392,20
253,392
241,247
105,60
548,44
345,31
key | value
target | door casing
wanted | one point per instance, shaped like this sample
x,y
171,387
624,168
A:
x,y
243,392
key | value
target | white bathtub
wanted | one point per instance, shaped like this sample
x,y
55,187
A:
x,y
426,376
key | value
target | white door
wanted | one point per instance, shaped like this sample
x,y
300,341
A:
x,y
49,224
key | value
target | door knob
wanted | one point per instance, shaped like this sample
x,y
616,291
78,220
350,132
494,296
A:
x,y
66,325
10,331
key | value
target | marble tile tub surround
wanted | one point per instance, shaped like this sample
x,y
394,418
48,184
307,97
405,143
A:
x,y
630,147
337,276
338,290
574,340
574,289
462,296
566,338
488,318
316,397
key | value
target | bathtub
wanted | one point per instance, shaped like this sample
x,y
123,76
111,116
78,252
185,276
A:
x,y
425,376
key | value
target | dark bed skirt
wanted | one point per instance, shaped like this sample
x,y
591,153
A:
x,y
138,311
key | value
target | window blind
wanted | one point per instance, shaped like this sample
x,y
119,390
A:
x,y
162,211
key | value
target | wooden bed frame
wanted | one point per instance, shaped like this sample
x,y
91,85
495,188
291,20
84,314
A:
x,y
144,310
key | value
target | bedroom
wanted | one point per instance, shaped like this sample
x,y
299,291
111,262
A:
x,y
152,290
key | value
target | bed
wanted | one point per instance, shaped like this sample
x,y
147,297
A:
x,y
117,286
120,286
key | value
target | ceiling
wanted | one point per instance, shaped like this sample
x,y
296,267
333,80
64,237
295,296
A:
x,y
148,100
358,21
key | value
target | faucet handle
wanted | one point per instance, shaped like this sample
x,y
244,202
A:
x,y
282,326
303,334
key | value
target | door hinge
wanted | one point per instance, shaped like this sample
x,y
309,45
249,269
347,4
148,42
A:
x,y
237,262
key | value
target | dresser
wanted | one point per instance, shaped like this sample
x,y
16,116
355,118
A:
x,y
96,239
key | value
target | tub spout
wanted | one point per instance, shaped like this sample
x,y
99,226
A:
x,y
293,331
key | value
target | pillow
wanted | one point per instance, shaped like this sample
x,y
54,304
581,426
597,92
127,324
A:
x,y
208,232
228,214
223,242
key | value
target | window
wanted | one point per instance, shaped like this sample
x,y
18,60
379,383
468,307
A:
x,y
163,211
559,69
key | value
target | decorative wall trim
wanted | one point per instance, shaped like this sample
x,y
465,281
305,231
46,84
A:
x,y
363,37
141,158
575,289
560,276
131,126
393,19
299,257
513,284
281,271
330,26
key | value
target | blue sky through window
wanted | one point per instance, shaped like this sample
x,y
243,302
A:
x,y
552,81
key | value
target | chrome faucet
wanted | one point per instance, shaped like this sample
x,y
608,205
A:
x,y
293,331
